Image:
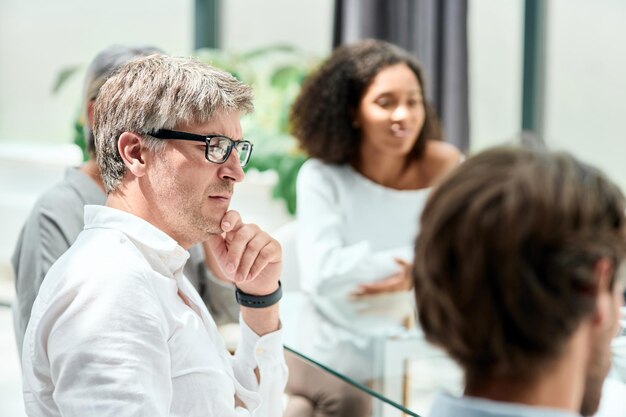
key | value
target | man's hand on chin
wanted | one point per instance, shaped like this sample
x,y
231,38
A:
x,y
247,256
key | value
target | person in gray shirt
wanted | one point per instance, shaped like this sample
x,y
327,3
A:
x,y
519,273
57,217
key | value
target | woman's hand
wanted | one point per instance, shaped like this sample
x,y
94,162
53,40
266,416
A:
x,y
401,281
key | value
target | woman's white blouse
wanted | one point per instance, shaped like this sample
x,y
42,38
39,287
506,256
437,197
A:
x,y
350,228
110,336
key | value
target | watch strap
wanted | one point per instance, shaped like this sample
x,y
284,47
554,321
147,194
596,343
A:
x,y
258,301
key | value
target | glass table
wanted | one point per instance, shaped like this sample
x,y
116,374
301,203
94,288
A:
x,y
391,361
369,345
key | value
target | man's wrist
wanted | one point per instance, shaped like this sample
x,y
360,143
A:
x,y
258,301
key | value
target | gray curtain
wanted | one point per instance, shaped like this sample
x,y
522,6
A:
x,y
436,32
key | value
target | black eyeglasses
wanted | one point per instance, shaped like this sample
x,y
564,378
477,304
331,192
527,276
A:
x,y
218,147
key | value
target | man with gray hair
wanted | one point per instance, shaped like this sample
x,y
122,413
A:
x,y
57,217
117,329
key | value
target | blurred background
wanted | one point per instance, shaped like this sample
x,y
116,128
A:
x,y
554,69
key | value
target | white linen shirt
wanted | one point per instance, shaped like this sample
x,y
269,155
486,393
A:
x,y
110,336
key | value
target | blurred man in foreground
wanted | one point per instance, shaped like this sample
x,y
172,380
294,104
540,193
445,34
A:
x,y
519,277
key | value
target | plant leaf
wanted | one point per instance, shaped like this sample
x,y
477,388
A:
x,y
287,75
63,76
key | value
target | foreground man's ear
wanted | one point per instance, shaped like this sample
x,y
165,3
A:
x,y
605,308
130,147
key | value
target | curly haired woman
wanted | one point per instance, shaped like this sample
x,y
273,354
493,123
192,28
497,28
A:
x,y
376,152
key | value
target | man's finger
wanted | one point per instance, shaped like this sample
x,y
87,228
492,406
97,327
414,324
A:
x,y
238,241
250,254
271,253
217,243
231,221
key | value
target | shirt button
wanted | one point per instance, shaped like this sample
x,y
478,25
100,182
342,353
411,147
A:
x,y
260,351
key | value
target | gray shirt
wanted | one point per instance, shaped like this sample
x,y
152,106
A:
x,y
53,225
448,406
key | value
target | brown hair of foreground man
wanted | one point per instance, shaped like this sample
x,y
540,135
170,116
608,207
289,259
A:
x,y
516,272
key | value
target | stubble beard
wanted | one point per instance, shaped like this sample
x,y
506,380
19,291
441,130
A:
x,y
597,371
202,226
184,208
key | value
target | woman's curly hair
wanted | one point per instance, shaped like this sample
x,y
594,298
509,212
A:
x,y
321,118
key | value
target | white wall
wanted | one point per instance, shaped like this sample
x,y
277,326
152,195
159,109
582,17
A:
x,y
40,37
585,78
249,24
495,39
586,82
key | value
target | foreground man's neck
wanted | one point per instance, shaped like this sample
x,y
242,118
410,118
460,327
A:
x,y
561,385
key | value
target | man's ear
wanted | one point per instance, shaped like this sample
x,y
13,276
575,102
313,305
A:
x,y
130,146
603,271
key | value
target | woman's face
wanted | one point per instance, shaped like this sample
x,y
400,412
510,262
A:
x,y
391,113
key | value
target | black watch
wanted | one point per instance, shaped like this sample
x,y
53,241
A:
x,y
258,301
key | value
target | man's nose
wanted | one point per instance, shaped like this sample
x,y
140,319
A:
x,y
231,169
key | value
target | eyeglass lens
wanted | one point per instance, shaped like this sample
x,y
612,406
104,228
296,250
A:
x,y
219,150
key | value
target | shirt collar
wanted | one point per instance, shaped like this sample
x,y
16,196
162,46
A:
x,y
448,405
141,232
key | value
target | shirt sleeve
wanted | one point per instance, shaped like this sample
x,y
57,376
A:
x,y
265,353
326,262
107,351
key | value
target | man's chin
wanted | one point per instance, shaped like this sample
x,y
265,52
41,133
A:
x,y
213,228
214,222
202,230
212,218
